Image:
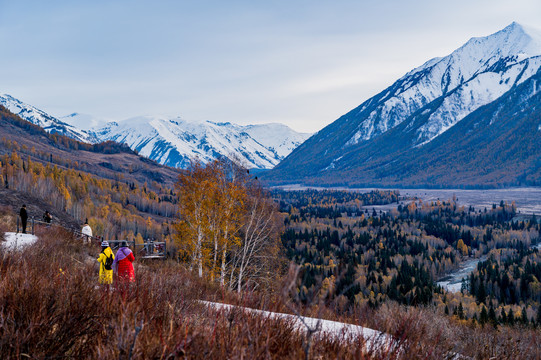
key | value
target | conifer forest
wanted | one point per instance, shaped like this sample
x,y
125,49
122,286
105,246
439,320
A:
x,y
352,254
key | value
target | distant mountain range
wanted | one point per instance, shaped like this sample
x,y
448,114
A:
x,y
47,122
472,118
107,160
172,141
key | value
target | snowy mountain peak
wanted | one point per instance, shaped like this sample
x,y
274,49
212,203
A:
x,y
170,140
83,121
513,40
477,73
175,141
44,120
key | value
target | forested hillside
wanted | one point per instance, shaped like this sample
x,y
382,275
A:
x,y
350,254
122,194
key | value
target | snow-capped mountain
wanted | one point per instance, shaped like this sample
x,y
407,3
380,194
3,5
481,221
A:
x,y
371,140
83,121
278,138
476,74
44,120
174,141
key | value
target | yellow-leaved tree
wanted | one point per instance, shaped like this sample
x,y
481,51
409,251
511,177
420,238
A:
x,y
194,192
227,224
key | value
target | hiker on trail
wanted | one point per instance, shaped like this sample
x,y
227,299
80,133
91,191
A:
x,y
122,265
106,260
24,217
87,233
47,217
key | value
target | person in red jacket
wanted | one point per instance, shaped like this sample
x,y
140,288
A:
x,y
122,265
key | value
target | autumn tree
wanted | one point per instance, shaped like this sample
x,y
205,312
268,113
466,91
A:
x,y
259,244
227,223
195,188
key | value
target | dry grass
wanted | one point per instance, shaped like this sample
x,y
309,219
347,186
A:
x,y
52,308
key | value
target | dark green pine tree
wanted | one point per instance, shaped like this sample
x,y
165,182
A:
x,y
483,317
524,317
481,292
492,315
460,311
511,317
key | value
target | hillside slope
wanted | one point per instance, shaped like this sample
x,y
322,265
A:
x,y
108,160
123,195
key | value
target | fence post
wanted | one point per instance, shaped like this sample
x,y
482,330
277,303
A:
x,y
32,225
17,224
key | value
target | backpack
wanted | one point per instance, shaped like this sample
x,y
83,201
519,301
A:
x,y
108,265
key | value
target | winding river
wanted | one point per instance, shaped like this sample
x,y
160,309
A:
x,y
453,281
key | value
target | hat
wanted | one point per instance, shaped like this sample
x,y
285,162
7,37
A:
x,y
105,243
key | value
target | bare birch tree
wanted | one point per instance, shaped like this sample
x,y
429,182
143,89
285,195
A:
x,y
259,246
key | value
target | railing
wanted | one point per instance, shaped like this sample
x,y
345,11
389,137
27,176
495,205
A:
x,y
115,244
148,250
19,225
151,250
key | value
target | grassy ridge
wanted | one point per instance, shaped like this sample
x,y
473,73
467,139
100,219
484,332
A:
x,y
51,308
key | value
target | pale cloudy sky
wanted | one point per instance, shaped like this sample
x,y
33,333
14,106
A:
x,y
302,63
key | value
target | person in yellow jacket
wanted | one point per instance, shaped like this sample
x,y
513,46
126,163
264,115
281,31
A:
x,y
106,259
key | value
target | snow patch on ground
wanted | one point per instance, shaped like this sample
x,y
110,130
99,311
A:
x,y
374,339
17,241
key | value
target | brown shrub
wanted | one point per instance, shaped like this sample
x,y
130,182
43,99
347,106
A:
x,y
52,307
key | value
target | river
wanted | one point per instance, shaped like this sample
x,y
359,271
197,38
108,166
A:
x,y
453,281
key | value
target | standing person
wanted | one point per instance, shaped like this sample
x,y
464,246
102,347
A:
x,y
123,263
106,260
87,233
24,217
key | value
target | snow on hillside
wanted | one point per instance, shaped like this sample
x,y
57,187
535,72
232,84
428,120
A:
x,y
476,74
341,331
17,241
47,122
174,141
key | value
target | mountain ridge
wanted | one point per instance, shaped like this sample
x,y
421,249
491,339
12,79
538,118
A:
x,y
172,141
44,120
390,124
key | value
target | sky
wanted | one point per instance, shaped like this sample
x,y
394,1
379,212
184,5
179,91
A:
x,y
301,63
